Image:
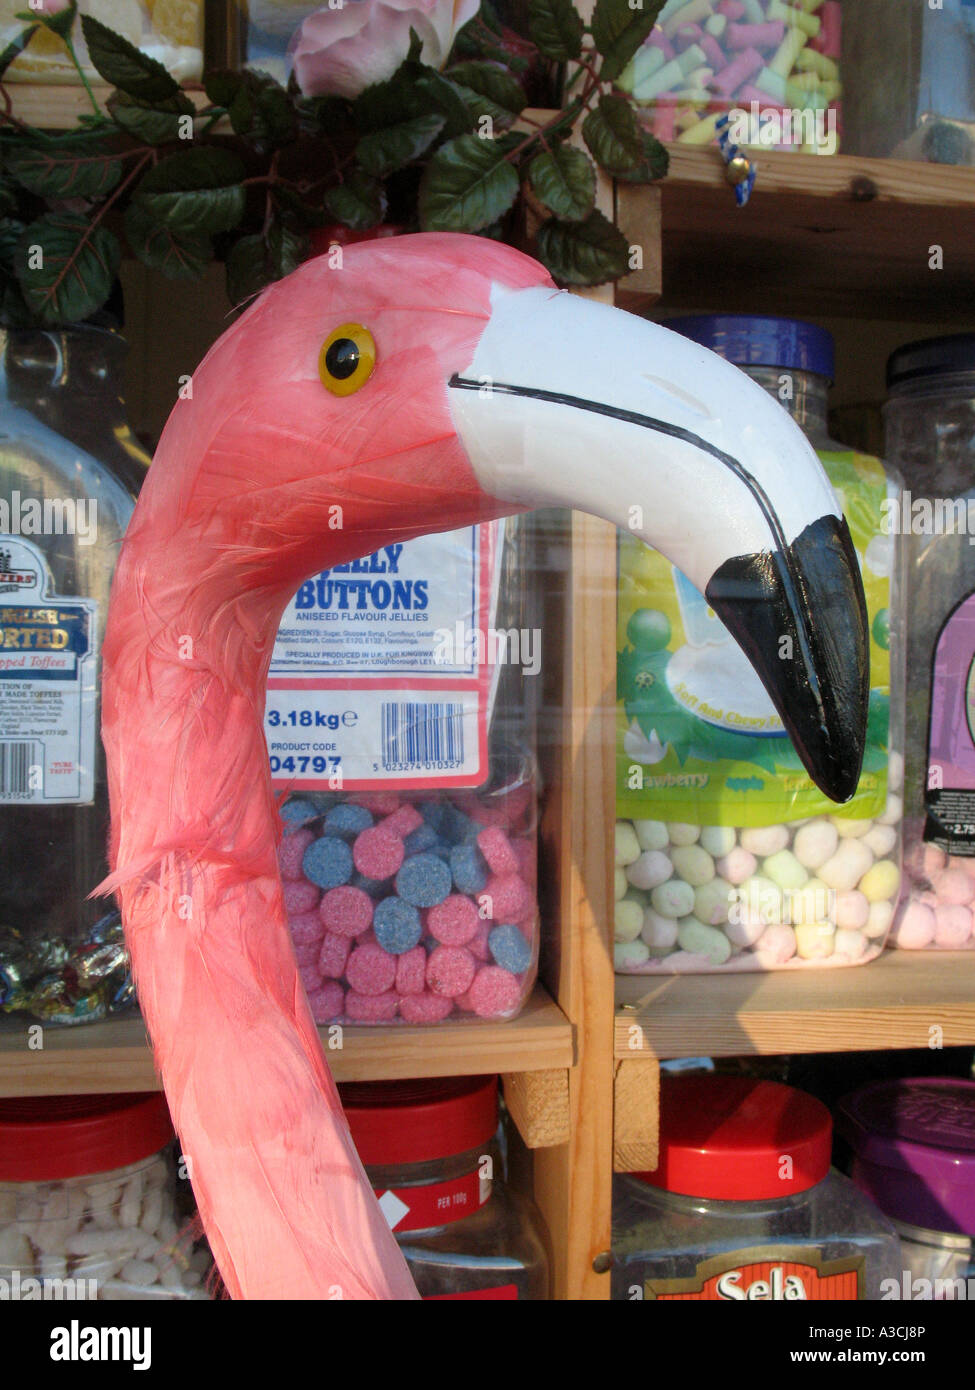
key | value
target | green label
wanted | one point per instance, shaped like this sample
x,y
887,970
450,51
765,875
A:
x,y
698,739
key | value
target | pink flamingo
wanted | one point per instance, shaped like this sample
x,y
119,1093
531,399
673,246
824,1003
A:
x,y
429,382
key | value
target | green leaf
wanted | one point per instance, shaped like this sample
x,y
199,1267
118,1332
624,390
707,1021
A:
x,y
467,184
490,80
122,64
69,166
613,135
178,255
8,199
16,47
358,202
583,253
479,106
556,29
618,31
155,123
565,181
11,231
222,85
61,23
385,150
66,267
413,90
254,262
195,191
442,96
653,165
260,110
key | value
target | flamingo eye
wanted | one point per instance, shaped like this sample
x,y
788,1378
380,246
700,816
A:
x,y
347,358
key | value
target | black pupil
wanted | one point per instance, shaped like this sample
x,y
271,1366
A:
x,y
342,358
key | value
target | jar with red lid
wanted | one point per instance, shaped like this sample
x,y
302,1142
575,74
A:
x,y
90,1204
743,1205
431,1152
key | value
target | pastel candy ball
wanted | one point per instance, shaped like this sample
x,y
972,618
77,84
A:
x,y
847,866
333,955
894,812
291,851
737,865
680,833
814,940
916,927
815,843
510,949
693,864
371,1008
627,920
711,902
951,886
743,930
450,970
933,861
347,820
851,944
627,955
651,834
952,925
397,925
813,902
759,897
306,927
881,840
852,910
785,870
346,910
673,899
411,971
651,868
510,898
377,853
468,869
454,921
879,919
370,970
776,946
619,884
425,1008
702,940
895,770
851,829
495,992
627,844
424,880
327,862
883,880
765,839
497,850
718,840
328,1002
658,932
967,866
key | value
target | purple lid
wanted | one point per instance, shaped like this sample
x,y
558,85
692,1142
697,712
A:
x,y
914,1149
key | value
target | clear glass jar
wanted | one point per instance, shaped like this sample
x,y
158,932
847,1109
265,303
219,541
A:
x,y
930,429
464,1233
70,469
774,69
90,1205
743,1205
729,858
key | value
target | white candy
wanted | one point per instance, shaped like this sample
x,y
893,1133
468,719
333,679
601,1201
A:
x,y
879,919
737,865
765,839
775,946
895,771
852,910
628,954
658,931
894,812
718,840
651,868
850,943
627,844
651,834
758,897
847,866
851,829
881,840
813,902
815,843
131,1203
680,833
140,1272
744,931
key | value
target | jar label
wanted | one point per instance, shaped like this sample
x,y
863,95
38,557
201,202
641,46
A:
x,y
769,1276
434,1204
48,695
698,738
497,1291
385,669
949,793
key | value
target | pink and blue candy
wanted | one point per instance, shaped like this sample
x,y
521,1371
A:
x,y
327,862
397,926
424,880
509,948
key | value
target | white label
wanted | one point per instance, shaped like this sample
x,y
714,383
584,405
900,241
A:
x,y
47,684
373,678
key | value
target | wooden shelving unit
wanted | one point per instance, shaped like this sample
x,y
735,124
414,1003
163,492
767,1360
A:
x,y
821,236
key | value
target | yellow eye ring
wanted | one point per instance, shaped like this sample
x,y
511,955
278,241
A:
x,y
347,358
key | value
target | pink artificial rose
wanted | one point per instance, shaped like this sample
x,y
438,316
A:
x,y
340,51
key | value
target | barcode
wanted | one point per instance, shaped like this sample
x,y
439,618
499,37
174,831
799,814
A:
x,y
426,733
15,765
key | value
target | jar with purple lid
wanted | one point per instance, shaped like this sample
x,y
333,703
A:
x,y
913,1143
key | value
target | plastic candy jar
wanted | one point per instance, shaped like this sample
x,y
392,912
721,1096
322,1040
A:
x,y
930,425
913,1145
728,858
743,1205
88,1201
431,1154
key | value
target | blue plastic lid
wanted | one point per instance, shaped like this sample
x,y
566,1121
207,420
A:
x,y
750,340
931,357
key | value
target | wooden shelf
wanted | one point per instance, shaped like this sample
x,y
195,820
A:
x,y
821,235
894,1002
57,105
115,1056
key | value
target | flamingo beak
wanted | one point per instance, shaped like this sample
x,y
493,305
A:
x,y
569,403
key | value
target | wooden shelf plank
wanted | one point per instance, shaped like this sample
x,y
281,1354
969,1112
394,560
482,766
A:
x,y
895,1002
115,1056
57,105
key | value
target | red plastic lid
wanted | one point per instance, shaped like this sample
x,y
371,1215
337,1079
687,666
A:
x,y
734,1139
48,1137
412,1121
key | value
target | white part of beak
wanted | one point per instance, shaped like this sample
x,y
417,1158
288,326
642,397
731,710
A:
x,y
676,495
